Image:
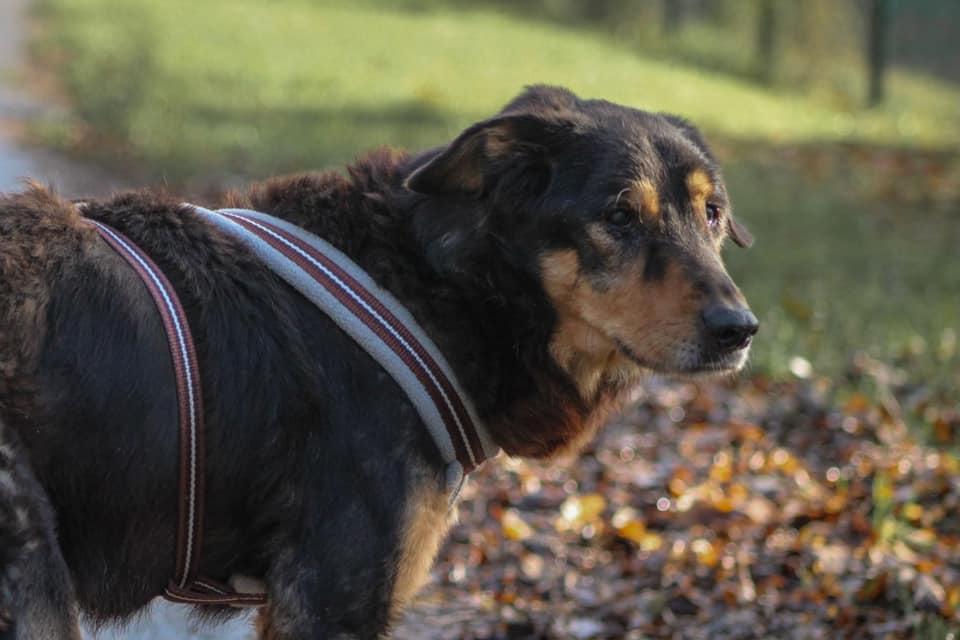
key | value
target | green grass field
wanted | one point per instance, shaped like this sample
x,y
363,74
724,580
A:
x,y
856,241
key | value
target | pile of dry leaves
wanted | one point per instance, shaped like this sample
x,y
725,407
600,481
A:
x,y
752,510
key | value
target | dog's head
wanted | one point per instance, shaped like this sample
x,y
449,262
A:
x,y
620,215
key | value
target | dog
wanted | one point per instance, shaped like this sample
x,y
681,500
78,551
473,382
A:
x,y
555,253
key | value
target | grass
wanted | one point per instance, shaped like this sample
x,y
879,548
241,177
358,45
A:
x,y
263,87
833,274
253,88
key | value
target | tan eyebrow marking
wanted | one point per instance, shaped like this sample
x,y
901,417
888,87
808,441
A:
x,y
649,201
700,187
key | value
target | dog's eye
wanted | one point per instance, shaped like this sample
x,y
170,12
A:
x,y
620,217
713,215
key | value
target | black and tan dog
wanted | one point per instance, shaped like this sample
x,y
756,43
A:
x,y
554,253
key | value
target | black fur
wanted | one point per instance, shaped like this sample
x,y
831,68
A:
x,y
313,453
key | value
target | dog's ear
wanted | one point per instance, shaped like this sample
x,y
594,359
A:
x,y
739,233
485,152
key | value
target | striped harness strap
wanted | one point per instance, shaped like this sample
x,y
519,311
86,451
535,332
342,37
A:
x,y
358,305
377,322
186,586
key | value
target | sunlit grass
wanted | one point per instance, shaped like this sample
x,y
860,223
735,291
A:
x,y
257,87
831,274
248,87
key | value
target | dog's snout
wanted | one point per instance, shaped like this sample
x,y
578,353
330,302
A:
x,y
730,328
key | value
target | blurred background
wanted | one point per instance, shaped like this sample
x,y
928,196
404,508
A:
x,y
838,126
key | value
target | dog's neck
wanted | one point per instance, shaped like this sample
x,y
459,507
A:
x,y
491,319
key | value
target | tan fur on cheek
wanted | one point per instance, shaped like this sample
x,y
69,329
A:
x,y
584,351
427,519
560,271
652,318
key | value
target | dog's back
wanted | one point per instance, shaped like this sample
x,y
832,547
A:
x,y
84,367
39,234
42,237
86,388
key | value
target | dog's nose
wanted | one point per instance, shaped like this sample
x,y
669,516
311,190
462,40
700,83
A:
x,y
730,328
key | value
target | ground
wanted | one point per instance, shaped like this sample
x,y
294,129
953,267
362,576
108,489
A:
x,y
754,510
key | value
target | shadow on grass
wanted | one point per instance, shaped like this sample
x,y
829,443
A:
x,y
212,143
634,26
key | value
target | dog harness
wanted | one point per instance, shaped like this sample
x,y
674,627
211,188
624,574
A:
x,y
377,322
186,586
369,314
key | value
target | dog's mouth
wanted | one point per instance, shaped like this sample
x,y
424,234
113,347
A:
x,y
691,360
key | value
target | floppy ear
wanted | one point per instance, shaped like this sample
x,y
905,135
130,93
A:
x,y
487,149
740,234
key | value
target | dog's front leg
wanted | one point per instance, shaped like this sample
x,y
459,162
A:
x,y
355,558
334,587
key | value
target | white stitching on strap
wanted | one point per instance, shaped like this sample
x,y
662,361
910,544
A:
x,y
488,448
182,345
383,322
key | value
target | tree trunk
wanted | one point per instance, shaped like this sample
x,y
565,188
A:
x,y
879,19
766,41
673,14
